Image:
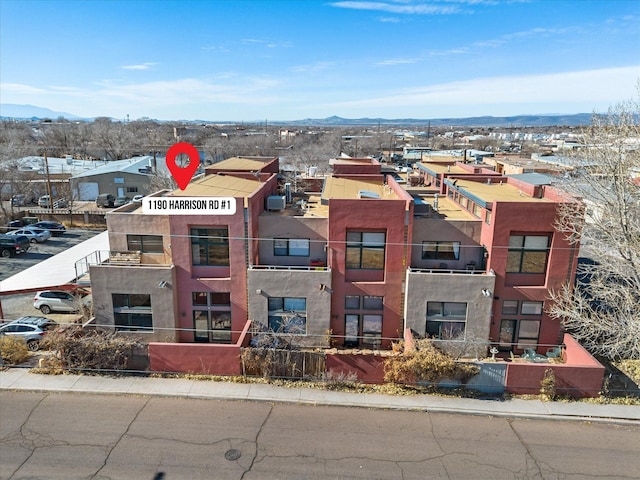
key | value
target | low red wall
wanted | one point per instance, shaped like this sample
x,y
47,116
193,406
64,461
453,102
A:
x,y
202,358
369,368
580,376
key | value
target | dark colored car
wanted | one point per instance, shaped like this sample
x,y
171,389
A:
x,y
57,229
11,245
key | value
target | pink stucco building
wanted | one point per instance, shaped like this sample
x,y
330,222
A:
x,y
461,252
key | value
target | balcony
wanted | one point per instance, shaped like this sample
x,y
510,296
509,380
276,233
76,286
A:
x,y
313,266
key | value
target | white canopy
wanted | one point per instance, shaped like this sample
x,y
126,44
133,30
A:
x,y
57,270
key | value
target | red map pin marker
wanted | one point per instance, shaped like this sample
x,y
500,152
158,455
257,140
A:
x,y
183,175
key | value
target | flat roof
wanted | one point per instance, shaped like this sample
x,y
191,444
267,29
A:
x,y
349,188
219,185
439,168
495,192
248,164
57,270
447,208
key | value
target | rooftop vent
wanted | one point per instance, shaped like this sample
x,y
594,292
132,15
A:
x,y
276,203
367,194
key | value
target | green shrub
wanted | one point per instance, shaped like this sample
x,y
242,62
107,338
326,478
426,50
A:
x,y
13,350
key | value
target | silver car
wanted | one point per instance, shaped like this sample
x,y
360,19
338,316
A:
x,y
30,329
33,234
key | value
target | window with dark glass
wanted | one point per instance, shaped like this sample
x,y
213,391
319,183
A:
x,y
363,328
145,243
211,317
210,246
292,247
522,332
528,253
132,311
352,302
441,250
446,320
287,315
365,250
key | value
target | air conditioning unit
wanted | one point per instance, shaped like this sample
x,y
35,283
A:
x,y
276,203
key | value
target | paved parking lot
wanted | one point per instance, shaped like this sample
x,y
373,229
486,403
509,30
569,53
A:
x,y
40,251
15,306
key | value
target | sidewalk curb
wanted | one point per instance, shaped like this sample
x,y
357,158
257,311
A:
x,y
20,379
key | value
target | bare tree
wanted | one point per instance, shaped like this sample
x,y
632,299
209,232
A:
x,y
602,311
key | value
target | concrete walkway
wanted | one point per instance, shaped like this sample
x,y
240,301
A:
x,y
17,379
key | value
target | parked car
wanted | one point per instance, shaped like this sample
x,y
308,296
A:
x,y
30,329
11,245
49,301
138,198
34,234
121,201
21,200
44,201
105,200
57,229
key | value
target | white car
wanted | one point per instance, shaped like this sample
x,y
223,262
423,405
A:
x,y
33,234
49,301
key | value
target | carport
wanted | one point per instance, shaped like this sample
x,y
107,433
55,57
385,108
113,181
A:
x,y
59,272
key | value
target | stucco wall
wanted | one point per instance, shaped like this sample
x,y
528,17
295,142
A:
x,y
436,229
293,283
369,368
120,224
272,226
109,279
436,287
580,376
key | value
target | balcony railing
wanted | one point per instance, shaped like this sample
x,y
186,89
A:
x,y
300,268
447,271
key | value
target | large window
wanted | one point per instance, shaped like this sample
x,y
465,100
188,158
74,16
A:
x,y
292,247
522,332
145,243
363,326
288,315
211,317
446,320
528,253
441,250
365,250
210,246
132,311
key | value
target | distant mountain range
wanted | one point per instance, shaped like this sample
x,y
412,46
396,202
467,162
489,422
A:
x,y
28,112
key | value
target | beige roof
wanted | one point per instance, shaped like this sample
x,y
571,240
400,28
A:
x,y
344,188
496,192
448,209
219,186
241,163
443,168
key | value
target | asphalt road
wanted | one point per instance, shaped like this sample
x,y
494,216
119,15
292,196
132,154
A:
x,y
64,436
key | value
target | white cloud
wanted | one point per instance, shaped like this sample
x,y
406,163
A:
x,y
587,87
397,61
413,8
19,89
313,67
141,66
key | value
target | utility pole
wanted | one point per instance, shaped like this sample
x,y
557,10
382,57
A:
x,y
49,192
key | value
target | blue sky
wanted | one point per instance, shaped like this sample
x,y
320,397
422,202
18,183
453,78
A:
x,y
242,60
